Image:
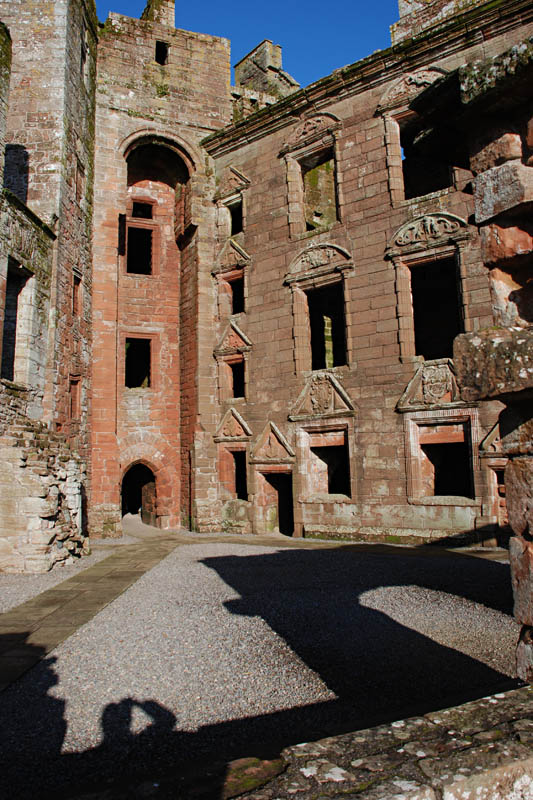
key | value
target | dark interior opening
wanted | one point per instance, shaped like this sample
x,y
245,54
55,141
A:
x,y
335,457
326,319
142,210
16,280
452,468
161,53
76,295
138,491
237,295
138,363
282,483
436,308
241,484
428,158
237,377
139,260
155,162
235,211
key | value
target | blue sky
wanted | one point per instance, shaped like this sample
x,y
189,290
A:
x,y
316,38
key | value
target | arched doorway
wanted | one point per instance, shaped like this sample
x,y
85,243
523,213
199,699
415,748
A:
x,y
138,493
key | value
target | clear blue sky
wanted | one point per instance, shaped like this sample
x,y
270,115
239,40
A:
x,y
316,38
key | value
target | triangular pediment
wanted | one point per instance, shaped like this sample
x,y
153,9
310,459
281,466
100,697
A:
x,y
233,181
232,427
323,396
492,443
233,339
272,446
232,255
434,385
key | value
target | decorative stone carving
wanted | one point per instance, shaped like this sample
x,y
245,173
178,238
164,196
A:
x,y
233,427
434,385
272,446
233,339
428,228
323,396
408,86
313,126
492,443
232,255
322,257
232,182
22,239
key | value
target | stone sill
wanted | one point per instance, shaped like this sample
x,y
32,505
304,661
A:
x,y
328,498
445,500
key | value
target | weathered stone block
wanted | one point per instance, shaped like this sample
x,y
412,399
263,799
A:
x,y
500,244
506,147
494,363
501,189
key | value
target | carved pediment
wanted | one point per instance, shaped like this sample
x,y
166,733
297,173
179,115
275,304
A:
x,y
233,181
492,443
233,339
312,127
232,427
232,255
408,86
319,258
272,446
434,385
427,230
323,396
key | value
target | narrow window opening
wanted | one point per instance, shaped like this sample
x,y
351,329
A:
x,y
76,295
237,378
451,470
241,485
16,281
235,211
161,53
138,357
80,181
139,258
142,210
335,457
436,308
74,398
327,325
320,190
237,295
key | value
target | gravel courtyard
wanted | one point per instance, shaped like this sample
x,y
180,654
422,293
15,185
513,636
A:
x,y
224,650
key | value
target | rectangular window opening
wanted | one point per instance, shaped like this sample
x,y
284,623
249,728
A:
x,y
320,190
449,469
76,295
138,363
235,210
161,53
437,314
241,485
139,258
337,462
237,378
17,278
327,325
428,158
74,398
237,295
142,210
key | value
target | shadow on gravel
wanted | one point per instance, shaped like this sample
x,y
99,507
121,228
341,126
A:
x,y
380,670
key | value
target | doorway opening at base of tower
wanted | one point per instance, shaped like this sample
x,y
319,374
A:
x,y
138,493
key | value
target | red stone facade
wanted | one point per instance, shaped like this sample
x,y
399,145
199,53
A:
x,y
255,289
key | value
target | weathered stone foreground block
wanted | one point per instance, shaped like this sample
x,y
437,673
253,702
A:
x,y
494,363
502,188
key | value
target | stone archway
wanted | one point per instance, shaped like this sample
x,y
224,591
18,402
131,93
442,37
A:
x,y
138,493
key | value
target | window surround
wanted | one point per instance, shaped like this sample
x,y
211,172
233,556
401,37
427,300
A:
x,y
469,419
314,135
423,240
144,224
304,433
154,361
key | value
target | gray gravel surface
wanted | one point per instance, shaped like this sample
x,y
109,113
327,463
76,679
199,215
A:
x,y
225,650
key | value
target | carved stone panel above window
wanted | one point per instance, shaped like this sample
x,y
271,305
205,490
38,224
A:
x,y
323,396
434,385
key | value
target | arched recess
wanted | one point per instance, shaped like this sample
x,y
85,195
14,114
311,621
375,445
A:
x,y
158,458
139,493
